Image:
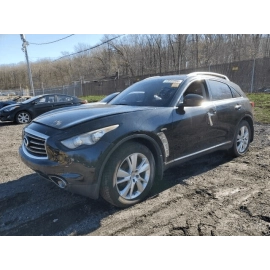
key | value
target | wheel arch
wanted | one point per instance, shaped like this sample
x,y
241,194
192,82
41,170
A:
x,y
249,119
147,141
31,115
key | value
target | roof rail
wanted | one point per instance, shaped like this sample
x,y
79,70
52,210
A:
x,y
151,77
210,74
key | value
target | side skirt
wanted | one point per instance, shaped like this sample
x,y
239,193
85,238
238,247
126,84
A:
x,y
222,146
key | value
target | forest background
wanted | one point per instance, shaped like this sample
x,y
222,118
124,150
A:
x,y
244,58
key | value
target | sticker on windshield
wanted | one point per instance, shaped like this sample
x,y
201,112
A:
x,y
175,83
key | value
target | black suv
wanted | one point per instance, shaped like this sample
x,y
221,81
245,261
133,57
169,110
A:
x,y
119,149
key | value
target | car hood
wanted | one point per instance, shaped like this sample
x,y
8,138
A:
x,y
10,106
8,102
67,117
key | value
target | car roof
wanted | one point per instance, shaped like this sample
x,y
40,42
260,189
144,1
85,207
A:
x,y
169,77
190,75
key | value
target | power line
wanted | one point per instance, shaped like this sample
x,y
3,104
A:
x,y
51,41
89,48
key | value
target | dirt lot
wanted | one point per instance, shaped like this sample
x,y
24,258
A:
x,y
213,195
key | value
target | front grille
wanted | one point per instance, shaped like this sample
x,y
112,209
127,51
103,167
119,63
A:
x,y
34,145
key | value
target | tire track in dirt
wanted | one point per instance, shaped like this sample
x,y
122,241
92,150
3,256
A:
x,y
204,202
212,195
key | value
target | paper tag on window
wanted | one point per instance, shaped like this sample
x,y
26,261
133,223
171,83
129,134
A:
x,y
175,85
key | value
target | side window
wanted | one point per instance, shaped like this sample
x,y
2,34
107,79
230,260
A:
x,y
235,93
41,100
198,88
50,99
46,99
219,90
63,98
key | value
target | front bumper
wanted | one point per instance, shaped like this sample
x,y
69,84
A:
x,y
6,117
76,171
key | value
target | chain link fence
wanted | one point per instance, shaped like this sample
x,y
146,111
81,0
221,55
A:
x,y
251,75
72,90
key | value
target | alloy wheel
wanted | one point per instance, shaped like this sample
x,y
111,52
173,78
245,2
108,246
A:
x,y
242,139
23,118
133,175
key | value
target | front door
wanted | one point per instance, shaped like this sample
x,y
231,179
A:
x,y
194,129
43,104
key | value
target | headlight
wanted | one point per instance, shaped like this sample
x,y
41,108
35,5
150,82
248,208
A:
x,y
88,138
11,108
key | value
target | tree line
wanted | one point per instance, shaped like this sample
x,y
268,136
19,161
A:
x,y
137,55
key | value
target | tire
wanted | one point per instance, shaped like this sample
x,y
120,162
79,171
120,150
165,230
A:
x,y
241,140
128,175
23,118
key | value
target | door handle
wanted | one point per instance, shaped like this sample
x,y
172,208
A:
x,y
210,118
211,113
238,107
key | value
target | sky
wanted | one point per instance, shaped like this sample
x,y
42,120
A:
x,y
42,24
11,46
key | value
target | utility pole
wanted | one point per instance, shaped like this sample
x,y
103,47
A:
x,y
82,81
24,49
252,76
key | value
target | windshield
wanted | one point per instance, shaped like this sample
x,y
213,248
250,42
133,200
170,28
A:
x,y
156,92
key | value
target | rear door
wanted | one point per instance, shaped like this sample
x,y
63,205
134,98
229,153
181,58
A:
x,y
229,109
63,101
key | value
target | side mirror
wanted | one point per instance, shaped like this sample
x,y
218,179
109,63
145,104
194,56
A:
x,y
180,108
192,100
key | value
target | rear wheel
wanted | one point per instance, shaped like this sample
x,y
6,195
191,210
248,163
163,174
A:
x,y
241,140
129,175
23,118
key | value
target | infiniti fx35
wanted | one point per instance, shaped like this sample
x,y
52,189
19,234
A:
x,y
117,150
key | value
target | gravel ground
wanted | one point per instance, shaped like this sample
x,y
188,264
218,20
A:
x,y
212,195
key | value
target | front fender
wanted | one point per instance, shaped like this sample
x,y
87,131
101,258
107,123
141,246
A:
x,y
145,139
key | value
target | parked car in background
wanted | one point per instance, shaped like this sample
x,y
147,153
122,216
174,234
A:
x,y
264,90
15,100
27,110
117,150
108,98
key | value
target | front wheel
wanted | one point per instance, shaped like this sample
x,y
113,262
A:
x,y
241,140
128,175
23,118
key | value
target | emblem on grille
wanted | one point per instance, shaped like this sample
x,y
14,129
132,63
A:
x,y
25,141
